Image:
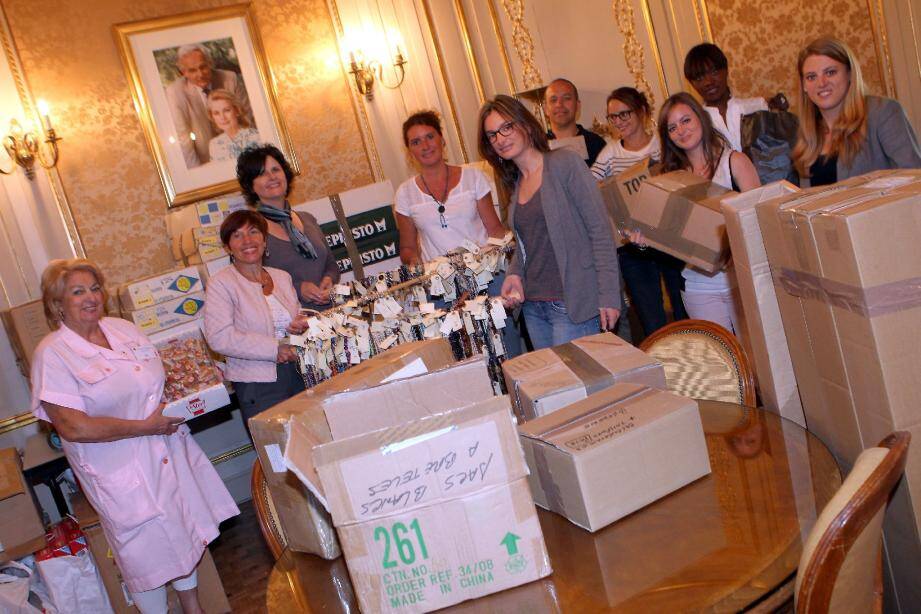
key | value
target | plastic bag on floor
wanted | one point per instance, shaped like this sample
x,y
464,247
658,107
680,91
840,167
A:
x,y
74,584
15,597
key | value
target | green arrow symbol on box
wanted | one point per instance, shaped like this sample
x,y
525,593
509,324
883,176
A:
x,y
510,541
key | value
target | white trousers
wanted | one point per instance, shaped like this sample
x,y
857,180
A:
x,y
719,307
154,600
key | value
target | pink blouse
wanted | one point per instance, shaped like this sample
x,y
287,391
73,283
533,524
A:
x,y
238,322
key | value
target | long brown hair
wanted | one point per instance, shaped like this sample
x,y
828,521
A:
x,y
850,129
513,111
675,158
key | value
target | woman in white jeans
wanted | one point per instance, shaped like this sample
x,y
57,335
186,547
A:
x,y
690,143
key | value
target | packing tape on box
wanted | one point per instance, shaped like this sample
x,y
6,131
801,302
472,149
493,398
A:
x,y
645,391
677,242
878,300
590,372
547,483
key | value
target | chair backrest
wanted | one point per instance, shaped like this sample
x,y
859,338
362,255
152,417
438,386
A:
x,y
703,360
269,524
841,566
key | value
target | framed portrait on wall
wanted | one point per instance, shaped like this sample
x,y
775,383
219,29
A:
x,y
203,92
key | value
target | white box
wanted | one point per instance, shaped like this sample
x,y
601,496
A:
x,y
166,315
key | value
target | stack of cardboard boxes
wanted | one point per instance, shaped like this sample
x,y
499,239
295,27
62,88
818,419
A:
x,y
846,261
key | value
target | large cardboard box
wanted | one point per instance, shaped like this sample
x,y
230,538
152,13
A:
x,y
769,349
166,315
618,450
305,522
26,327
620,190
543,381
211,592
435,511
160,288
679,214
21,529
389,404
870,261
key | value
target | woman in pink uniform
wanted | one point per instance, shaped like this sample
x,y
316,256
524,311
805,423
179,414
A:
x,y
99,380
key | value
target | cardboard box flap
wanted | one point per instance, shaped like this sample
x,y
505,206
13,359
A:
x,y
421,463
603,416
299,456
686,185
10,474
385,405
746,200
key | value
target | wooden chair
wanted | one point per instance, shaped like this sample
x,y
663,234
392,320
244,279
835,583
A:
x,y
703,360
269,524
841,566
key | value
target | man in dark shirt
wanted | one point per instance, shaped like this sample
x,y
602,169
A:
x,y
561,103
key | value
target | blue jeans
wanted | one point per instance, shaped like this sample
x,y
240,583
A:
x,y
549,324
642,271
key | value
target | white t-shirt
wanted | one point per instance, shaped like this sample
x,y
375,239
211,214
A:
x,y
461,215
697,279
281,318
615,159
735,109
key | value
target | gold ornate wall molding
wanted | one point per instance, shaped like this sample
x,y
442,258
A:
x,y
702,16
500,41
633,50
523,43
881,39
468,50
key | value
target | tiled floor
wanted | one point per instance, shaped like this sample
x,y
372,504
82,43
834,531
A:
x,y
243,560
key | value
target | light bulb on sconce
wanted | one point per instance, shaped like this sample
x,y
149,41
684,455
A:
x,y
365,72
24,147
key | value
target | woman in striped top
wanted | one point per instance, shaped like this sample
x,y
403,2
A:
x,y
643,268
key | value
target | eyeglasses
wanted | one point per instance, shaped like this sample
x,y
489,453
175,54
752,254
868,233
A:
x,y
622,116
505,130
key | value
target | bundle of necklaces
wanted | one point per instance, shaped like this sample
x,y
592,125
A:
x,y
442,298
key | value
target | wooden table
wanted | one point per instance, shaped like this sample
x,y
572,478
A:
x,y
721,543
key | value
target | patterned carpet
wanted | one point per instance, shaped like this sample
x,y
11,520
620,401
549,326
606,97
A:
x,y
243,561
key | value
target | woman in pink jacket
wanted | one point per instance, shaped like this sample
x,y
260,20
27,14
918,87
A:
x,y
249,310
99,380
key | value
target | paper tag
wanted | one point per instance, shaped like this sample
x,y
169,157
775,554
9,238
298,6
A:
x,y
437,286
381,286
427,308
470,246
343,290
145,352
416,367
497,311
387,342
445,270
276,458
452,322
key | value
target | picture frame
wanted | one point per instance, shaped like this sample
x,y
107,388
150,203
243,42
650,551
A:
x,y
203,91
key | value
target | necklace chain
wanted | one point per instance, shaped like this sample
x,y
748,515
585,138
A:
x,y
444,196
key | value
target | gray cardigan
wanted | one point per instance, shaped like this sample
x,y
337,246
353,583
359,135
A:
x,y
580,233
890,142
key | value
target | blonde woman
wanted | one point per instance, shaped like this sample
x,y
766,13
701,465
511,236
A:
x,y
844,132
228,117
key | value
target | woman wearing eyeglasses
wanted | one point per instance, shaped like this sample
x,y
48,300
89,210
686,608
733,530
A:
x,y
444,205
643,268
564,271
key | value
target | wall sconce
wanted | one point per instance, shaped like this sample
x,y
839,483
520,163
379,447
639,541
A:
x,y
24,147
364,72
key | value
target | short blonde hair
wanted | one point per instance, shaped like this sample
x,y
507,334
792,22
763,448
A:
x,y
54,282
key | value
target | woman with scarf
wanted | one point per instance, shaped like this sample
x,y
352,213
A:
x,y
294,243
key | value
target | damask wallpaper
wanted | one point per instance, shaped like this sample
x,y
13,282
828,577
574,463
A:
x,y
762,39
70,59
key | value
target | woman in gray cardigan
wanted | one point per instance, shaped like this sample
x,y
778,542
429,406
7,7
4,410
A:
x,y
843,132
564,271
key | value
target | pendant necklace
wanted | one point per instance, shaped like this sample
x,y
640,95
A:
x,y
440,203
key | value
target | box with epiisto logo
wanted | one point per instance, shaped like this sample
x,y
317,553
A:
x,y
543,381
434,511
160,288
618,450
166,315
194,384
